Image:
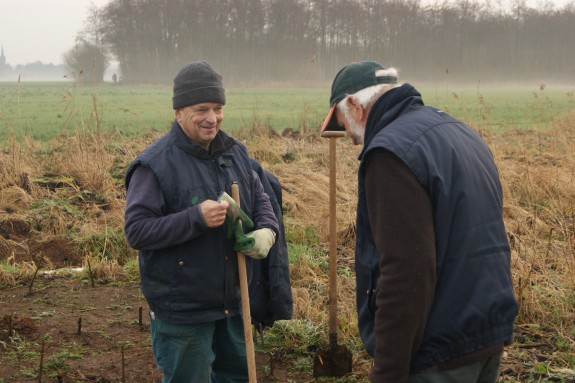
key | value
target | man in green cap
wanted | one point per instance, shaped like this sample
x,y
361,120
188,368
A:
x,y
435,298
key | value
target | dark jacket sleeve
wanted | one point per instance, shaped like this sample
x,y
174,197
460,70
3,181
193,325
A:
x,y
401,219
146,225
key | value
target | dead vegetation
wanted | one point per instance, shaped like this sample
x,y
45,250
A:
x,y
61,205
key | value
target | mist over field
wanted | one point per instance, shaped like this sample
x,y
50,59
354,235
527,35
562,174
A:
x,y
304,43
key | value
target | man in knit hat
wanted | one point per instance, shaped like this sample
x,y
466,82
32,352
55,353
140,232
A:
x,y
187,236
435,297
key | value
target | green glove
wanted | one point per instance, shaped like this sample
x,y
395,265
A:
x,y
264,240
235,230
234,212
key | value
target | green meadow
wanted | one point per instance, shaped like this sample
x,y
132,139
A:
x,y
43,110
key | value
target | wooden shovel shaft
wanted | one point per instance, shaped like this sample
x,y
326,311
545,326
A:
x,y
332,243
337,360
245,295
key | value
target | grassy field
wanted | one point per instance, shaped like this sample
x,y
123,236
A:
x,y
62,203
43,110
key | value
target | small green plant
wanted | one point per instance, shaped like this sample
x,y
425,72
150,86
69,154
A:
x,y
17,344
294,335
29,372
306,235
541,368
132,269
44,314
570,360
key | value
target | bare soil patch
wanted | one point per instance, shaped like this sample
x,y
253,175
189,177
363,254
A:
x,y
90,334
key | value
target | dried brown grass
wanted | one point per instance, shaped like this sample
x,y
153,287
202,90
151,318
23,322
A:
x,y
538,173
537,170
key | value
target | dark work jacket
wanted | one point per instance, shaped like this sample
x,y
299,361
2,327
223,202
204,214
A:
x,y
196,280
270,287
474,305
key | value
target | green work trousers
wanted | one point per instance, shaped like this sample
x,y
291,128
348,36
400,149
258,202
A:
x,y
213,352
484,371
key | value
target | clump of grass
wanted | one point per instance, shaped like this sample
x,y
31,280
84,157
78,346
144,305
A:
x,y
12,273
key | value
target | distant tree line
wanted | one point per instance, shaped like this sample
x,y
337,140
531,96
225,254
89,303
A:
x,y
307,41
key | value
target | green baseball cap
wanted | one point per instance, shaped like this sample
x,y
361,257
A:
x,y
349,80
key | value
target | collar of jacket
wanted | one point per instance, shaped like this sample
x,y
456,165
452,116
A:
x,y
220,144
387,108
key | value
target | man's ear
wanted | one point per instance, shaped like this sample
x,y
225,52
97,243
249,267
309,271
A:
x,y
355,108
178,115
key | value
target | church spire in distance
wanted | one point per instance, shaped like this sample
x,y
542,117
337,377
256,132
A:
x,y
2,57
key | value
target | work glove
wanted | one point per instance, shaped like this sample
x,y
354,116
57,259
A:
x,y
235,230
234,212
264,240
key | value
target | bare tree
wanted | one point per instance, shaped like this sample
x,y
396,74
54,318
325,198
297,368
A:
x,y
87,62
88,59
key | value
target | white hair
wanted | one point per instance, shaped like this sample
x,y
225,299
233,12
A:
x,y
365,97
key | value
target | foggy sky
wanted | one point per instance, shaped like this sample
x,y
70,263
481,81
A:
x,y
42,30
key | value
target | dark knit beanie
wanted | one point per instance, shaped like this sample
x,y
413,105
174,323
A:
x,y
196,83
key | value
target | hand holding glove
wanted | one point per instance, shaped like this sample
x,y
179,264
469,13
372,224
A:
x,y
256,244
234,212
264,240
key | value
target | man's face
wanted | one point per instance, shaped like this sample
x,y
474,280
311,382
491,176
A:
x,y
201,122
355,129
